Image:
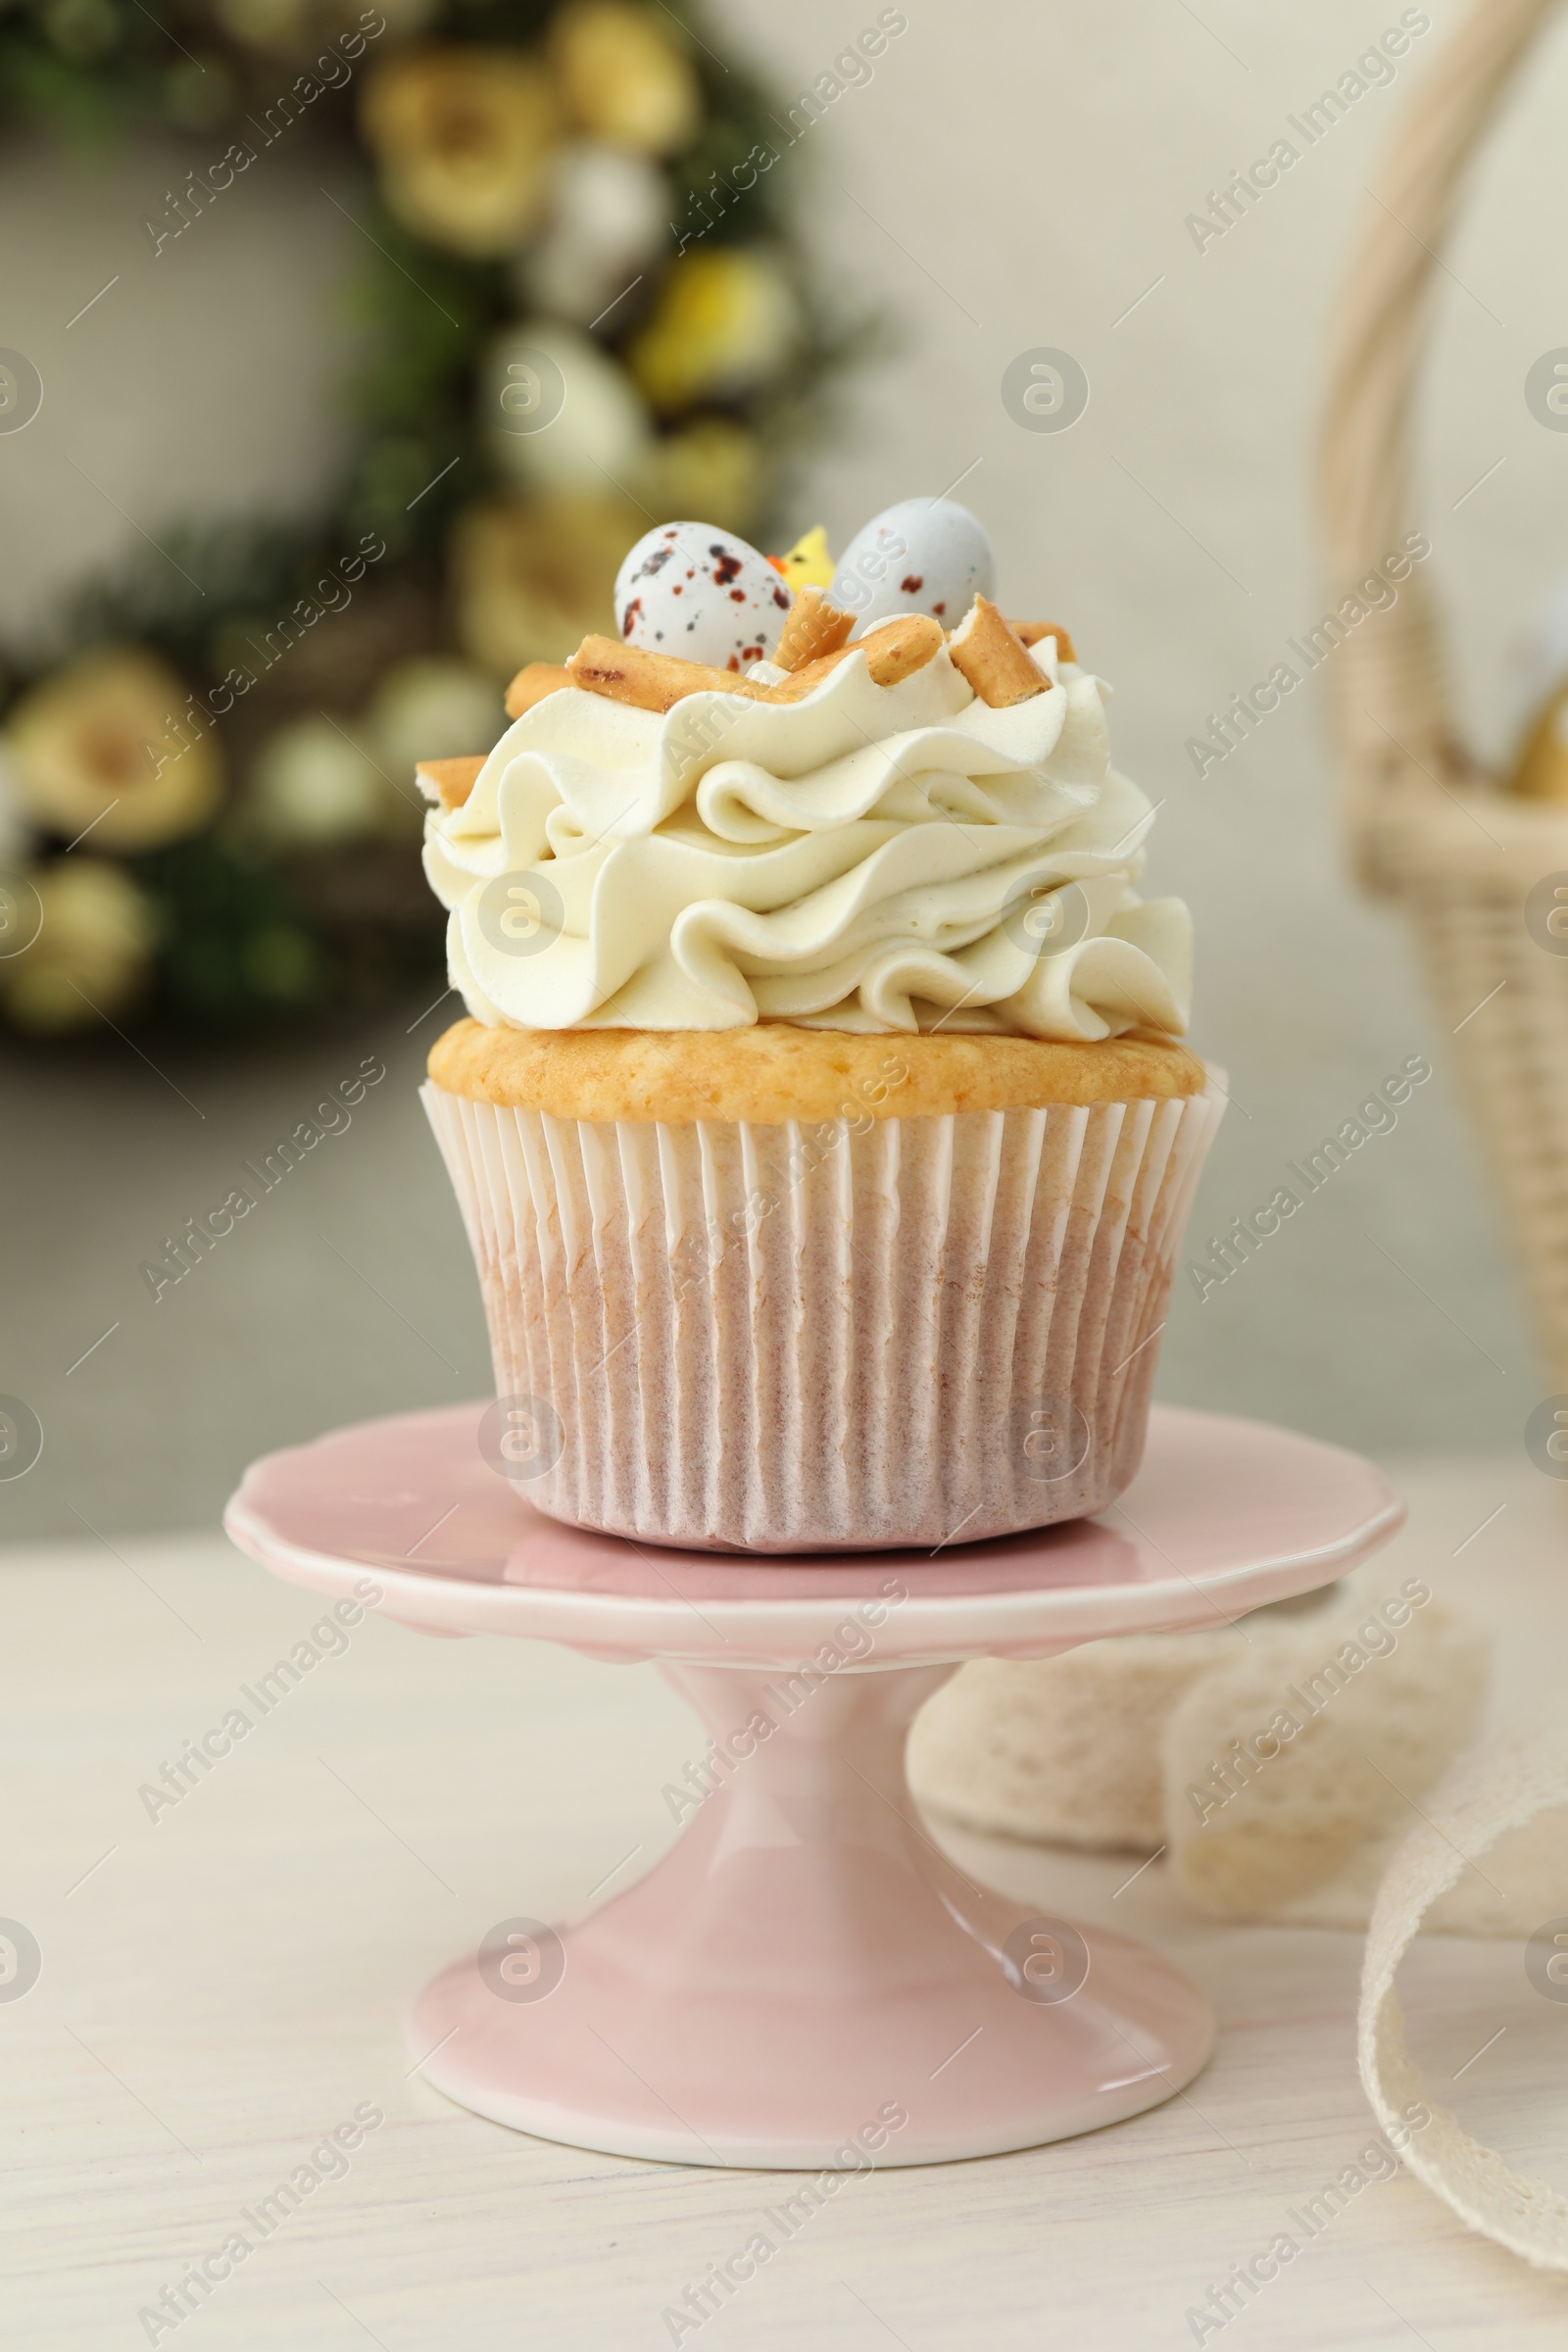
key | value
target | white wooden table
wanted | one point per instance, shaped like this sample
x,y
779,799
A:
x,y
224,1984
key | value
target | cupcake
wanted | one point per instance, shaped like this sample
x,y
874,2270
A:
x,y
821,1122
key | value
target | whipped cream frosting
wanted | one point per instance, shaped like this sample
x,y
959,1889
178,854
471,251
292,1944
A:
x,y
870,857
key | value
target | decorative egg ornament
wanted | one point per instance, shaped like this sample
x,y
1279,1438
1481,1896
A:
x,y
688,589
926,555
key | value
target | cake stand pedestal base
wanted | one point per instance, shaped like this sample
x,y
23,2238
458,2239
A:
x,y
805,1981
807,1975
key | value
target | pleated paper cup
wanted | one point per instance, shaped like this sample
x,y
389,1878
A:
x,y
845,1336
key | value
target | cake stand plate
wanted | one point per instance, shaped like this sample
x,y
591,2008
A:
x,y
805,1981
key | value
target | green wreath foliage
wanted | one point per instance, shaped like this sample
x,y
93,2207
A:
x,y
232,879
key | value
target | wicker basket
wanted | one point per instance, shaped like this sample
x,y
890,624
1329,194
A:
x,y
1429,827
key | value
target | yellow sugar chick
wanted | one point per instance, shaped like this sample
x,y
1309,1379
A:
x,y
807,564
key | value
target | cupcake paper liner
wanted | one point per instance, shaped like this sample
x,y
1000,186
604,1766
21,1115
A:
x,y
853,1335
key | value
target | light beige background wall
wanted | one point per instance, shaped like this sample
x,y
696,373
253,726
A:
x,y
1013,176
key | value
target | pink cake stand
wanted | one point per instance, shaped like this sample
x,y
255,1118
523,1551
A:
x,y
805,1967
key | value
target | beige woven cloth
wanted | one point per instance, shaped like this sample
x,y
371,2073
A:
x,y
1276,1763
1372,1811
1510,1792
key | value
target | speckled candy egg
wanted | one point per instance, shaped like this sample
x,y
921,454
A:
x,y
688,589
926,555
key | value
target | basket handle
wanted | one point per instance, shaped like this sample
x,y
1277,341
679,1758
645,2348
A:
x,y
1387,683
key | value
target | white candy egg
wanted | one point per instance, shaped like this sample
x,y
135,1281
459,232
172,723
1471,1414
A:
x,y
560,413
926,555
688,589
608,212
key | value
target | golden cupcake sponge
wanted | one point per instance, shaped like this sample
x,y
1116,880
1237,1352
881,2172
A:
x,y
775,1073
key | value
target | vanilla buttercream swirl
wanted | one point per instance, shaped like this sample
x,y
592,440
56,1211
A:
x,y
870,857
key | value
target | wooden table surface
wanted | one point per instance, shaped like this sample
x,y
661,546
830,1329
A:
x,y
223,1985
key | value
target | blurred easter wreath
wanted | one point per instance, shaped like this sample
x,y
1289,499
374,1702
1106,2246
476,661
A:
x,y
581,310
